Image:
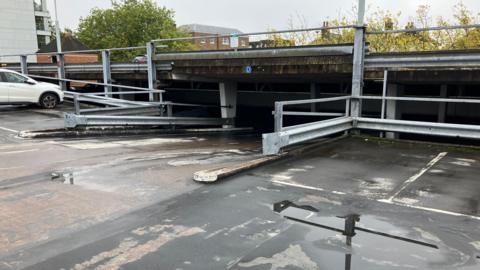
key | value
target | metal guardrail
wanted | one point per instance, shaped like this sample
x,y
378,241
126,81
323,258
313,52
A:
x,y
273,143
73,120
285,136
457,59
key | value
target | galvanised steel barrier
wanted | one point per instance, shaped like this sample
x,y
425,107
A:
x,y
283,137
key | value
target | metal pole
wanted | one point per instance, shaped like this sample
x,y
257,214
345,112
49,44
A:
x,y
57,29
384,92
152,70
61,71
358,61
107,75
76,104
23,64
278,116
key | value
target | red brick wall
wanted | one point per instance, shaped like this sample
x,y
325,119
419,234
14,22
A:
x,y
69,58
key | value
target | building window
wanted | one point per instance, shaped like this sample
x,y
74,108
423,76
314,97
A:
x,y
212,41
203,41
42,41
226,41
38,5
40,23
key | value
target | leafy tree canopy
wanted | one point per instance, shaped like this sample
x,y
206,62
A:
x,y
129,23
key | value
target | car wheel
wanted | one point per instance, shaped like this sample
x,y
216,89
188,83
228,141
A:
x,y
49,101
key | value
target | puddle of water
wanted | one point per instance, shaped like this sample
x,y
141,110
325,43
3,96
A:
x,y
328,249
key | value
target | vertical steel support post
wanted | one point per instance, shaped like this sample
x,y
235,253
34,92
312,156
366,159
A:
x,y
61,71
76,104
358,61
278,115
442,106
152,71
384,92
23,64
347,107
107,74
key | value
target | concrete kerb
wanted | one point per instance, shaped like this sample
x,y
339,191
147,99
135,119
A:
x,y
121,131
213,175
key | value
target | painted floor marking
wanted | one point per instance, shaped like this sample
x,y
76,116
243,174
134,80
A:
x,y
8,129
18,152
417,175
434,210
296,185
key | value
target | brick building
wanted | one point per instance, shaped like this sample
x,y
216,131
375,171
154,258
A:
x,y
69,43
215,43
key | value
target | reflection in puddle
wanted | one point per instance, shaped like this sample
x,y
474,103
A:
x,y
360,242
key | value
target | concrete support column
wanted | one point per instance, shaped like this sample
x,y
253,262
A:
x,y
442,107
392,108
228,101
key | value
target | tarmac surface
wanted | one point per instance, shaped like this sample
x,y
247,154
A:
x,y
130,203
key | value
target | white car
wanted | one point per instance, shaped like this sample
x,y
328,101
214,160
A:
x,y
16,88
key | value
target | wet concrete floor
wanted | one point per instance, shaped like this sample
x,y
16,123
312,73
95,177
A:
x,y
130,203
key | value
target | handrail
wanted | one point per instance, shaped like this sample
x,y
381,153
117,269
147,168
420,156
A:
x,y
448,100
95,83
279,112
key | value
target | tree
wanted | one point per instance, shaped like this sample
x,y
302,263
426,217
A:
x,y
129,23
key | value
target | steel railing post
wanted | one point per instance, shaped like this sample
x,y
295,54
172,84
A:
x,y
61,71
358,61
107,74
152,70
384,92
23,64
278,116
347,107
76,104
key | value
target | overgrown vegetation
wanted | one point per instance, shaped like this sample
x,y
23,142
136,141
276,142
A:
x,y
382,20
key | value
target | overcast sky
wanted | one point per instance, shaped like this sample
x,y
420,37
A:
x,y
259,15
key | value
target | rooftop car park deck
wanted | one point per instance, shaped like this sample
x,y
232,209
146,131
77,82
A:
x,y
130,203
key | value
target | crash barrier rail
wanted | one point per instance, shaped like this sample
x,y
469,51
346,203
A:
x,y
274,142
119,112
73,120
285,136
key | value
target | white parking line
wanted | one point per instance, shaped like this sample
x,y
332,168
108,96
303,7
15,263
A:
x,y
19,152
434,210
417,175
8,129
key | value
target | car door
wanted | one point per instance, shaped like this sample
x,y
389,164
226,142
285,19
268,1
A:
x,y
20,91
4,89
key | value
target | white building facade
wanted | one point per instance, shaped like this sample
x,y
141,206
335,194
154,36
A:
x,y
24,27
